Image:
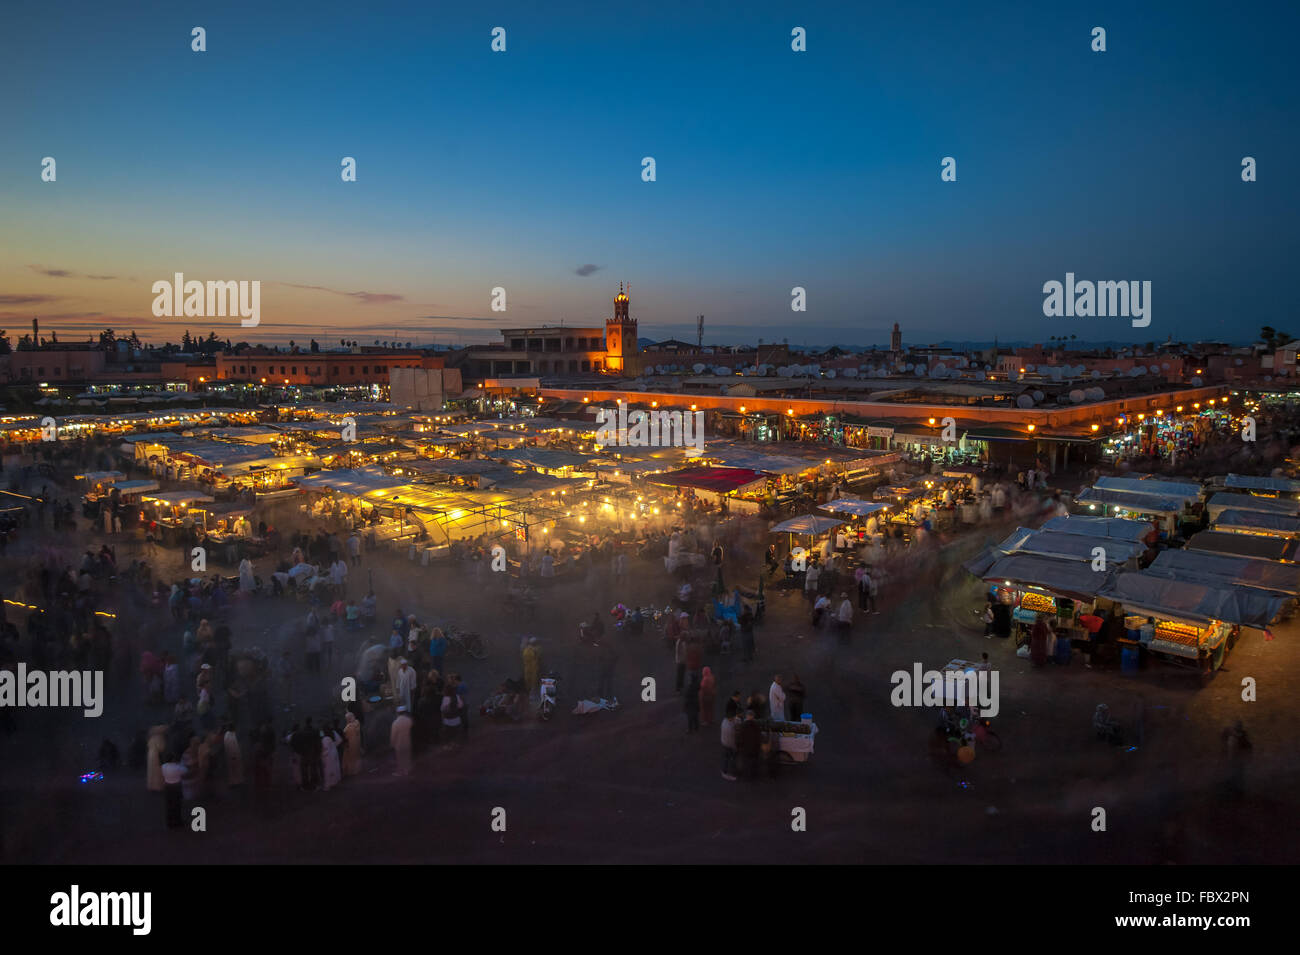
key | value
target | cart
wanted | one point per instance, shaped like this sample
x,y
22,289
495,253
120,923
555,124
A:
x,y
790,742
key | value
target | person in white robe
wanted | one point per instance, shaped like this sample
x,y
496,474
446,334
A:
x,y
352,751
246,582
404,688
331,772
234,758
400,738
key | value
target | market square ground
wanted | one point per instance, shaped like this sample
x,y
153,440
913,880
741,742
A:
x,y
632,787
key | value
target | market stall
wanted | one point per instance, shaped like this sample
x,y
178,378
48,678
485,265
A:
x,y
1114,527
1227,500
1272,577
176,513
1195,624
1236,521
1271,486
740,487
863,531
1102,551
1031,584
1166,511
1254,546
1185,491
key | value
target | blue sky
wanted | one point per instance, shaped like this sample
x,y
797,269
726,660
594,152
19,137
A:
x,y
775,169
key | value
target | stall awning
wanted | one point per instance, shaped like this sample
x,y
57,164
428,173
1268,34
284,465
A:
x,y
808,524
1268,575
1192,600
1226,500
1235,520
1069,546
853,506
97,477
717,480
1127,500
543,458
1182,490
353,482
999,434
1068,578
755,460
135,487
1253,546
1116,527
179,498
1280,485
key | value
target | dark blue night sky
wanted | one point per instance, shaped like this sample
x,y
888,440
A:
x,y
774,168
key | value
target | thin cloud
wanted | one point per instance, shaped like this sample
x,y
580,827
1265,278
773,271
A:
x,y
69,274
365,298
460,318
585,270
28,299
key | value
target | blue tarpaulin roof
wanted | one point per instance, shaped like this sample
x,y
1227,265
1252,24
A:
x,y
1193,600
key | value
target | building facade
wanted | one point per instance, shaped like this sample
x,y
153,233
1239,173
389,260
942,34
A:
x,y
264,366
557,350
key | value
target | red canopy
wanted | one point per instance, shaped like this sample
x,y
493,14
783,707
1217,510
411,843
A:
x,y
718,480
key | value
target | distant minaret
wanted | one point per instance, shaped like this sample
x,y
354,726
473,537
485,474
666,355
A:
x,y
620,333
896,340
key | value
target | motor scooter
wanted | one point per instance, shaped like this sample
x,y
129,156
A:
x,y
550,694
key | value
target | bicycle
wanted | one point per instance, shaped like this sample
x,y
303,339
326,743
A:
x,y
466,643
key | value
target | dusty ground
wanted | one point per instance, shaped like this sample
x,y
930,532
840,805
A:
x,y
632,786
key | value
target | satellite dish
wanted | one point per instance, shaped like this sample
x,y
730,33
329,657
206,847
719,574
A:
x,y
699,367
1165,366
1029,368
1024,401
724,389
1076,395
1096,374
1196,381
850,373
1038,395
908,367
830,372
939,370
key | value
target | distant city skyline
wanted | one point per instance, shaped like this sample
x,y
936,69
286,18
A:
x,y
774,169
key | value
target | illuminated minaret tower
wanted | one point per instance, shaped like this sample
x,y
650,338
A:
x,y
620,334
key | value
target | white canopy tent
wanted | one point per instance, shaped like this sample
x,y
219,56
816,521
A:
x,y
808,524
855,507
